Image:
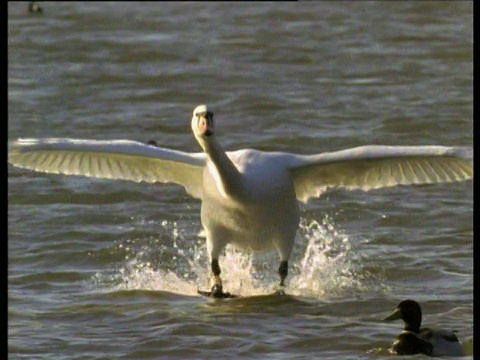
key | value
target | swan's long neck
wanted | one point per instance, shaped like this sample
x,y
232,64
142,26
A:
x,y
227,177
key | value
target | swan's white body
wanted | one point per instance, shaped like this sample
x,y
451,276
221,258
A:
x,y
264,215
249,198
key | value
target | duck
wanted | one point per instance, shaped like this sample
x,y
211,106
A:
x,y
415,340
249,198
34,7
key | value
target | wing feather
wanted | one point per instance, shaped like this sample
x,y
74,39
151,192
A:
x,y
115,159
373,167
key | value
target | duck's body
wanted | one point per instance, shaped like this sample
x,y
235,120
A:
x,y
415,340
444,342
249,198
409,343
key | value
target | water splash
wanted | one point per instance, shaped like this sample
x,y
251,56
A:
x,y
330,265
325,263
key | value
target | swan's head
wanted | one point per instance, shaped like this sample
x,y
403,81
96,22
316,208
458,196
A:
x,y
202,122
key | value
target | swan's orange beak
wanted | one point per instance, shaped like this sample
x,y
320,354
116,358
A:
x,y
204,126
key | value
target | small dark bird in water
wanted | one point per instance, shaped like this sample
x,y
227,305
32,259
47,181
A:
x,y
152,142
415,340
33,7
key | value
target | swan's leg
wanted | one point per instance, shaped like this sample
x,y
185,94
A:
x,y
214,247
217,288
284,247
283,272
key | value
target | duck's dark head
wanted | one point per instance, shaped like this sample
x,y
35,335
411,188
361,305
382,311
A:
x,y
33,7
409,311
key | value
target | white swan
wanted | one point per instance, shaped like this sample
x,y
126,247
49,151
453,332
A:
x,y
249,197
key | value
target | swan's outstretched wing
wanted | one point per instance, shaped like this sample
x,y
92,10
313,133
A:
x,y
372,167
115,159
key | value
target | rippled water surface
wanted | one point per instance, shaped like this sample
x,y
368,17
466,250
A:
x,y
102,269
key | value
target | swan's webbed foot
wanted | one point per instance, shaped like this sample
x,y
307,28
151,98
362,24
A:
x,y
280,292
217,288
217,292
